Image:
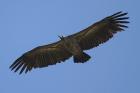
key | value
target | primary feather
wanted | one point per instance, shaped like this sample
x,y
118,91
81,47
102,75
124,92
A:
x,y
57,52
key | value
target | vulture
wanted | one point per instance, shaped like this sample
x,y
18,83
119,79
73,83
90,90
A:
x,y
73,45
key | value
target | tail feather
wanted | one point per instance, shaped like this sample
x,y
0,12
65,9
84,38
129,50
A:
x,y
81,58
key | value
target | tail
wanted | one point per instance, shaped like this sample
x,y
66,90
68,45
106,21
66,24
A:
x,y
81,58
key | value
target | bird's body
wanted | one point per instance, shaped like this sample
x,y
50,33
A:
x,y
72,45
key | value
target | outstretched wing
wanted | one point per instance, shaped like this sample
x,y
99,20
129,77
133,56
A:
x,y
101,31
41,57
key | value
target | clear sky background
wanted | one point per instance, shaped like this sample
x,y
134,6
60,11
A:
x,y
25,24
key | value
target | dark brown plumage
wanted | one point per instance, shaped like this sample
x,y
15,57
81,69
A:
x,y
72,45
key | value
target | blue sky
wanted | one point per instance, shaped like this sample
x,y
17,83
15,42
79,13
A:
x,y
25,24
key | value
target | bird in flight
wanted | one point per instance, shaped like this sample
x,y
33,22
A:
x,y
72,45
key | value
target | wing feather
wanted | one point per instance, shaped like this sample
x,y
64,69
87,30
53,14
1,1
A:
x,y
101,31
39,57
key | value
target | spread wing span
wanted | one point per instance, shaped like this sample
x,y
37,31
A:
x,y
88,38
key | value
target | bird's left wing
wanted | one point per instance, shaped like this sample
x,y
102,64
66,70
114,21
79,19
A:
x,y
101,31
41,56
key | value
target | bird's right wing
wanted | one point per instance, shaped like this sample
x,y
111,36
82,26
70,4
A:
x,y
41,56
101,31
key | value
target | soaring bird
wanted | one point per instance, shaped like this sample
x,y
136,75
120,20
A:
x,y
72,45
